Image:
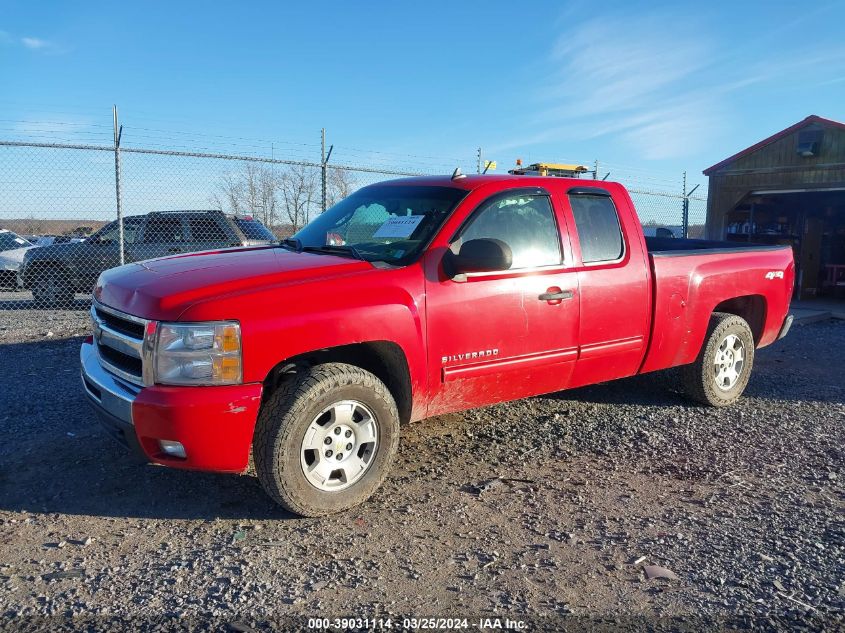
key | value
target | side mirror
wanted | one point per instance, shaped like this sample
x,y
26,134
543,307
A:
x,y
480,256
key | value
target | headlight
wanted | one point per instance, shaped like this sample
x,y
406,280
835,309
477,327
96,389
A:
x,y
198,354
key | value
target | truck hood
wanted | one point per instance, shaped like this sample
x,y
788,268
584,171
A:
x,y
164,288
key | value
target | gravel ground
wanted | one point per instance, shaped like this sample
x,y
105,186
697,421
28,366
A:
x,y
546,510
20,321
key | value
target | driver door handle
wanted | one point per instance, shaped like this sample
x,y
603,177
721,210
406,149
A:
x,y
556,296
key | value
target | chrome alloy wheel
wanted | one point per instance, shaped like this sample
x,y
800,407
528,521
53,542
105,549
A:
x,y
339,445
729,361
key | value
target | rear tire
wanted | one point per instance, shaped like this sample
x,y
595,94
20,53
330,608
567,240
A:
x,y
305,428
721,372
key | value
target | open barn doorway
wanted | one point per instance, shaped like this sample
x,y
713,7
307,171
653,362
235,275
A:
x,y
811,221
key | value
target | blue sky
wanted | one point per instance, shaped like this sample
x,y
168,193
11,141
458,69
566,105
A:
x,y
659,87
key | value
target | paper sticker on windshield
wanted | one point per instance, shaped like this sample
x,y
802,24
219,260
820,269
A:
x,y
398,226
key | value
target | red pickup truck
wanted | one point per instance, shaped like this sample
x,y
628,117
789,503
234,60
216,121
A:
x,y
409,299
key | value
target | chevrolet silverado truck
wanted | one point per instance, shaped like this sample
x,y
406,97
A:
x,y
409,299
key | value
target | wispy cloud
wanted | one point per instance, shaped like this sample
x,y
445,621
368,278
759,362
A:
x,y
659,84
31,43
624,77
610,66
35,43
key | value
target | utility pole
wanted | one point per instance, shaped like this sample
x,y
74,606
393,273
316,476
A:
x,y
596,170
480,165
324,167
324,176
118,132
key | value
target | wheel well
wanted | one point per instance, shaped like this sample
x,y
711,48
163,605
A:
x,y
752,308
383,359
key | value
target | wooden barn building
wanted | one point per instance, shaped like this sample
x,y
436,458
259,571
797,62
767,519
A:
x,y
788,189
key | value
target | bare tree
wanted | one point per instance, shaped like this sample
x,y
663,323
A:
x,y
252,190
276,197
340,185
298,188
268,187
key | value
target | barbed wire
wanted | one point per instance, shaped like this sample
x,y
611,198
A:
x,y
165,137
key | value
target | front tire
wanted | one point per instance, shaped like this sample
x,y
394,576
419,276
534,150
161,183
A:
x,y
51,289
325,440
721,372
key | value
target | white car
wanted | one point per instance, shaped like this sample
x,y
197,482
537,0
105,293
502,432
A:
x,y
12,249
40,240
47,240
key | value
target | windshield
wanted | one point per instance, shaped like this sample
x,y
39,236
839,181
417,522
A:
x,y
382,223
254,230
9,241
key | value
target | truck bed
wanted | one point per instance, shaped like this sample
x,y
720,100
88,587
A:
x,y
690,280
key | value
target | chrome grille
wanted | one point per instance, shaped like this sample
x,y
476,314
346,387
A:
x,y
119,338
134,329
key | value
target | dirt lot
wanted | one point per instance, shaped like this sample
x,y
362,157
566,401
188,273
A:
x,y
545,510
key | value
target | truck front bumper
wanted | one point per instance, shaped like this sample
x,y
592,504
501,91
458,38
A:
x,y
214,425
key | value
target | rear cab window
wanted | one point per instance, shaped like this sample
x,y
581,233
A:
x,y
597,225
207,229
163,229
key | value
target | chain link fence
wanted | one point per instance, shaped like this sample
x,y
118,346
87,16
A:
x,y
60,204
662,213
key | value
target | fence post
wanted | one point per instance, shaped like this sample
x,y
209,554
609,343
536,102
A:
x,y
324,176
685,211
118,131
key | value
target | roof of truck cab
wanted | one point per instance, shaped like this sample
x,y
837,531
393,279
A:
x,y
474,181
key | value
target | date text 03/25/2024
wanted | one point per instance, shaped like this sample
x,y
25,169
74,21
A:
x,y
417,624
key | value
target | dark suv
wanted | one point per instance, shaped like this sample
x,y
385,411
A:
x,y
54,273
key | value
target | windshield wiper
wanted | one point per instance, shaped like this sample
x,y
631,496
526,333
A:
x,y
292,243
335,249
